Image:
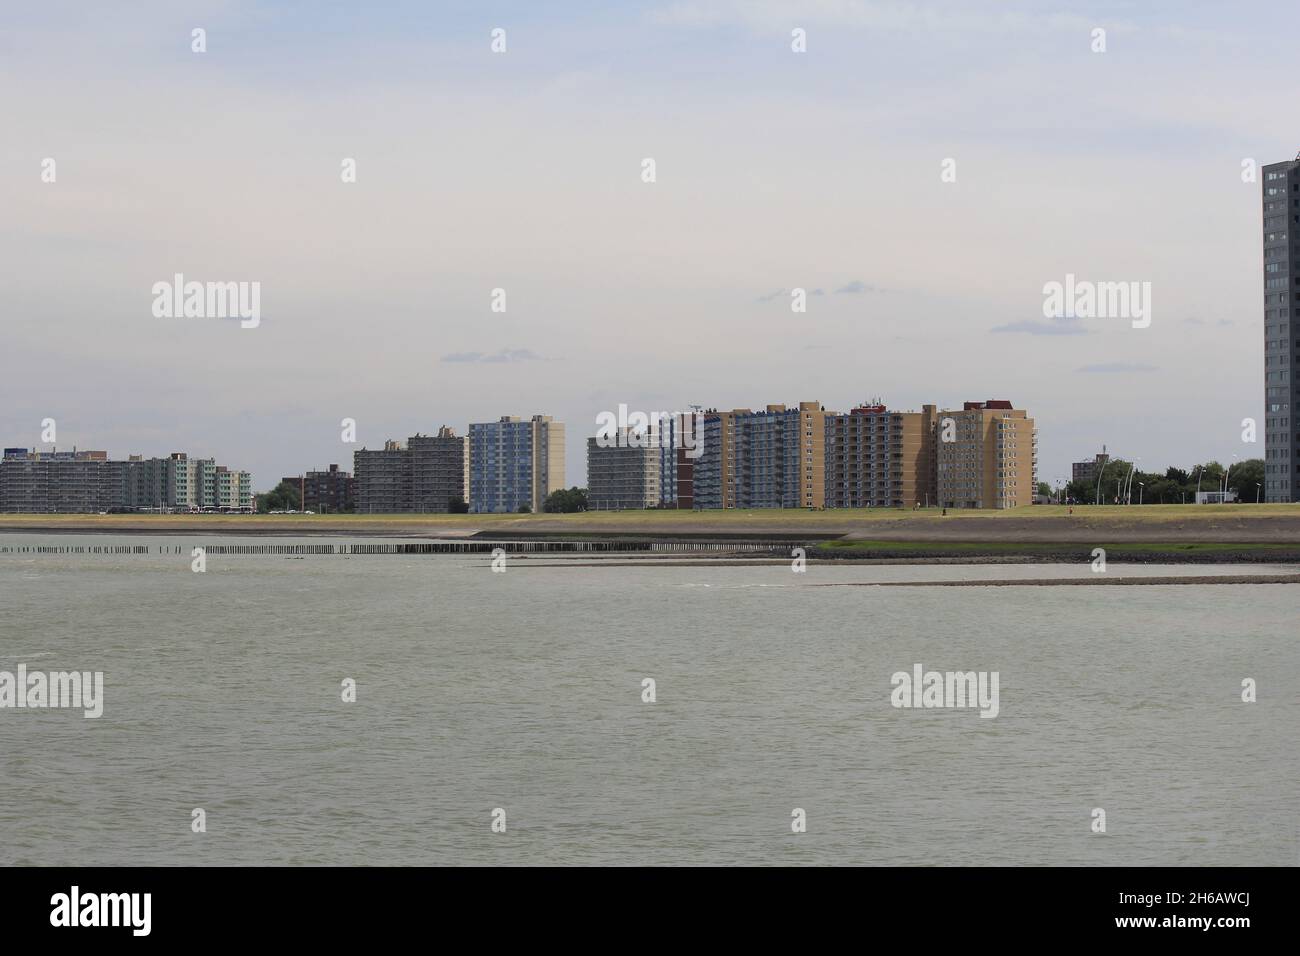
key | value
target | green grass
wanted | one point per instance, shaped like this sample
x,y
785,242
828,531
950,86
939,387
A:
x,y
633,519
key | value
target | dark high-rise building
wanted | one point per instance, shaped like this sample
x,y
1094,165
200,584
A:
x,y
324,492
383,479
1281,189
425,476
438,465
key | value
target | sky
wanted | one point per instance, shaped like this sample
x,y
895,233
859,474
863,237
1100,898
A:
x,y
522,170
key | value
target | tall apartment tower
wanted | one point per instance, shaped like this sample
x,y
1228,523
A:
x,y
681,440
986,456
383,479
514,462
715,477
437,470
423,477
1281,188
775,458
625,473
880,458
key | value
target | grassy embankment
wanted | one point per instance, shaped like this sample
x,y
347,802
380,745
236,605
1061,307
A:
x,y
1243,532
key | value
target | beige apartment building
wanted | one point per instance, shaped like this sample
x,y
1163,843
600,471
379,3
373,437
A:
x,y
986,456
877,458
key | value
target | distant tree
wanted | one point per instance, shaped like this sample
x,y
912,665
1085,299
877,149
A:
x,y
1211,475
1044,489
458,506
1171,487
1163,491
525,509
1081,491
1243,478
566,500
283,497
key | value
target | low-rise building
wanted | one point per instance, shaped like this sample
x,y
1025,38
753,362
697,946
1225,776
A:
x,y
1087,470
325,492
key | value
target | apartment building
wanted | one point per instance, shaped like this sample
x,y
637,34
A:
x,y
877,458
774,458
1087,470
715,479
181,483
624,471
325,492
439,469
986,456
233,489
383,479
682,436
425,475
514,463
59,482
1281,217
88,481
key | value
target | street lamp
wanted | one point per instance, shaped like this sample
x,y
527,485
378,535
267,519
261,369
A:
x,y
1141,488
1224,496
1101,471
1128,487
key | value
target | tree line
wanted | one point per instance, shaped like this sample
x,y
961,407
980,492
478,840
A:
x,y
1171,487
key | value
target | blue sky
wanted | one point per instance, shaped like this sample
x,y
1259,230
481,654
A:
x,y
521,171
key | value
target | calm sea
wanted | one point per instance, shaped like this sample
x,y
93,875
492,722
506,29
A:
x,y
522,690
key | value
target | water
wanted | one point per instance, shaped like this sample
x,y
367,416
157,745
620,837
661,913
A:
x,y
478,690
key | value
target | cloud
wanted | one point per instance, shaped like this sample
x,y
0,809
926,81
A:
x,y
504,355
780,292
513,355
1109,367
879,15
855,287
1063,326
